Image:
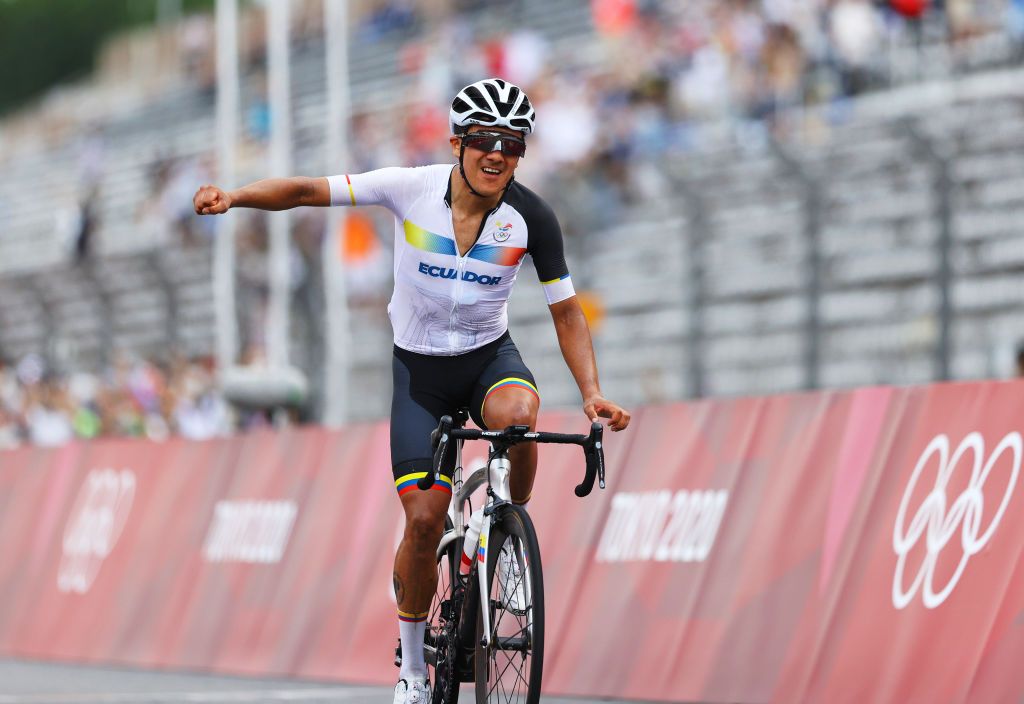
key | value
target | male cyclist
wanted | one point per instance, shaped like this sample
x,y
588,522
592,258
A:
x,y
460,237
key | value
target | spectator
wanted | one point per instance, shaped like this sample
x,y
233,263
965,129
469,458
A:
x,y
569,131
367,265
856,31
10,429
200,412
48,414
86,224
388,17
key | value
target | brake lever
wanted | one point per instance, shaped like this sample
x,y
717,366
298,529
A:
x,y
439,441
594,453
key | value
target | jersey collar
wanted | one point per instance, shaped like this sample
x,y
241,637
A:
x,y
448,191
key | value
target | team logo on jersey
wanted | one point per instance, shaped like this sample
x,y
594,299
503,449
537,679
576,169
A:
x,y
444,272
504,231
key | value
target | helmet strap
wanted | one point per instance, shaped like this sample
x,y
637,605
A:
x,y
462,172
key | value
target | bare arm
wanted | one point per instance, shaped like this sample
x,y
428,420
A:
x,y
578,351
268,194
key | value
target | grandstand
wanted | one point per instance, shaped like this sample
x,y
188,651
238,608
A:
x,y
860,242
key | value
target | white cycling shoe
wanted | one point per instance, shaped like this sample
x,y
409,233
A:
x,y
511,581
416,691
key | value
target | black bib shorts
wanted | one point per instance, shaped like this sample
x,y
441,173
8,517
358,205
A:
x,y
427,387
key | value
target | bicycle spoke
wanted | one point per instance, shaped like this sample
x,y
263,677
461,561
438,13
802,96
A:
x,y
511,663
501,670
500,681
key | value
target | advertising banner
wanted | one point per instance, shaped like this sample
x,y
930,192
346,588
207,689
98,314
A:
x,y
842,546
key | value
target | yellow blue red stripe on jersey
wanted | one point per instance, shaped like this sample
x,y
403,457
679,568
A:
x,y
512,381
563,277
426,240
408,483
493,254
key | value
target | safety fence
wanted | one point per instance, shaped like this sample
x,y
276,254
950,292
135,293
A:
x,y
835,546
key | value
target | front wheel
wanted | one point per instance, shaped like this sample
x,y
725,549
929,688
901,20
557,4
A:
x,y
510,667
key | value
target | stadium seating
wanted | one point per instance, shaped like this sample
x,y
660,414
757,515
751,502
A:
x,y
741,326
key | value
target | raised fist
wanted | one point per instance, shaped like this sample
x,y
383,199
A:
x,y
210,200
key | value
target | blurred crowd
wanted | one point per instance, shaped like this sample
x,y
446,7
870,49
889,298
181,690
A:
x,y
134,398
658,75
658,78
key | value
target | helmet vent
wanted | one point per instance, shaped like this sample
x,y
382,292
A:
x,y
474,94
492,90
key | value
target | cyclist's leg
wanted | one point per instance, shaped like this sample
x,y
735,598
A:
x,y
506,394
415,410
415,575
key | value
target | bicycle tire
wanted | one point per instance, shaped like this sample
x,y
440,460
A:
x,y
511,667
441,638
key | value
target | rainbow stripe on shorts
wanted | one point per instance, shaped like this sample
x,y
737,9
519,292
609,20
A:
x,y
408,482
507,382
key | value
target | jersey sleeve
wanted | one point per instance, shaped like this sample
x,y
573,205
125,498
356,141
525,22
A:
x,y
390,187
548,252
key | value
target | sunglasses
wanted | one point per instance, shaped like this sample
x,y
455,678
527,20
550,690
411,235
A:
x,y
488,142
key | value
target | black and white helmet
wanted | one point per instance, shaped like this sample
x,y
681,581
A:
x,y
492,102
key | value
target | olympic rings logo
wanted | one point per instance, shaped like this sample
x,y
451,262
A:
x,y
942,519
94,525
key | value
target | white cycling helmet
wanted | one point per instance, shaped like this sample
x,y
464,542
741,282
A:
x,y
492,102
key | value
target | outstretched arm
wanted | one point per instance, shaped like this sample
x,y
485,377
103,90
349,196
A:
x,y
268,194
578,351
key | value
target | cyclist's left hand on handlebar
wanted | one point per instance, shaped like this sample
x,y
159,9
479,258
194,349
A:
x,y
599,406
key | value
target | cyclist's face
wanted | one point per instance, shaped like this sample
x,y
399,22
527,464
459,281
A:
x,y
488,172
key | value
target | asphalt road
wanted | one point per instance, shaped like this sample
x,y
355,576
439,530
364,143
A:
x,y
24,682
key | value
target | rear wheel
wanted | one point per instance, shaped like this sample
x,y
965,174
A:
x,y
510,667
441,639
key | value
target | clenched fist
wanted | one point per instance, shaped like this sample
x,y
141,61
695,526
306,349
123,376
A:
x,y
210,200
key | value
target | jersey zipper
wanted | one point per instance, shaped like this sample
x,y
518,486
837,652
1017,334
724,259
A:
x,y
460,267
456,289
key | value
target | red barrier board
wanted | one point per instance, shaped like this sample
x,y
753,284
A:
x,y
836,546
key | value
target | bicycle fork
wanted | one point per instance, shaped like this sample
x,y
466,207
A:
x,y
498,486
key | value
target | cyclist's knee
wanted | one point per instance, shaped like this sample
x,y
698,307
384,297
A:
x,y
423,525
511,409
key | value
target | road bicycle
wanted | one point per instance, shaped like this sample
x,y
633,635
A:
x,y
487,626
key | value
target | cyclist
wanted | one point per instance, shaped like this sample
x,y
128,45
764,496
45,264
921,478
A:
x,y
461,232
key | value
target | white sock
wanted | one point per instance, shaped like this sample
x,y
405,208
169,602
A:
x,y
412,635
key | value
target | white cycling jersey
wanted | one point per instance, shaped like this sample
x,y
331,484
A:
x,y
444,303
